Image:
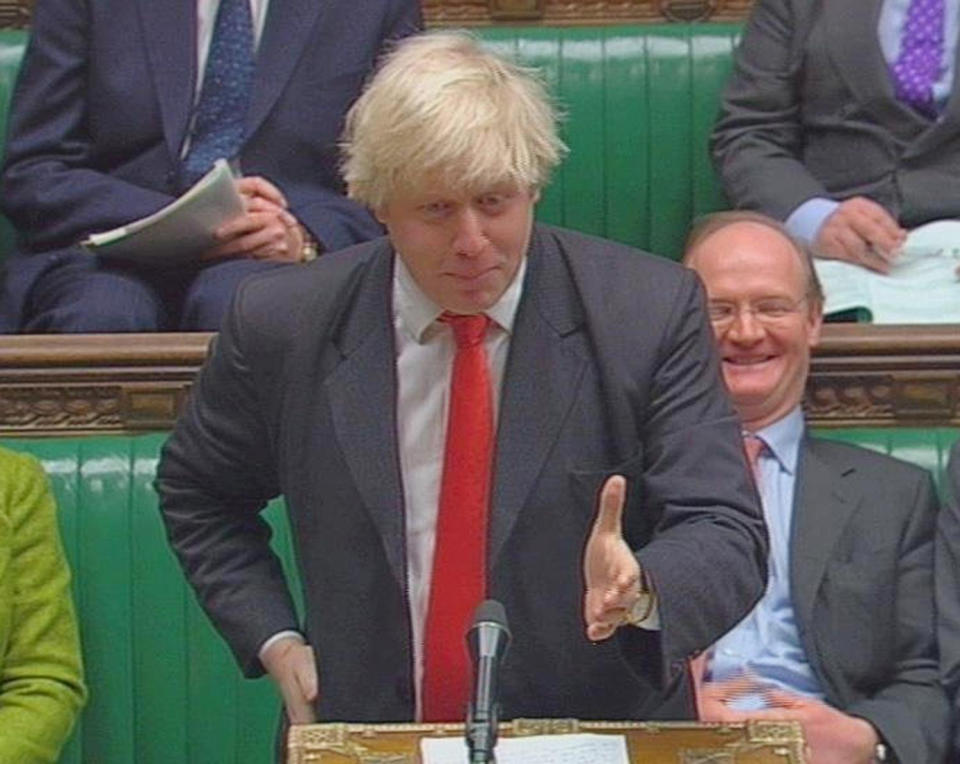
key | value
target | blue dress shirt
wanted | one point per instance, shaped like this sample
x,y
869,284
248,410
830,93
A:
x,y
766,643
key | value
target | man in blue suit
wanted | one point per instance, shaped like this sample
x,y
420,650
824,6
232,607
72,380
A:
x,y
104,115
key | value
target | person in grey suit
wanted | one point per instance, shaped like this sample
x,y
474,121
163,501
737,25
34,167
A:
x,y
947,577
843,639
812,131
330,385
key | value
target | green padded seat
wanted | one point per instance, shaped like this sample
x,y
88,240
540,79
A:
x,y
163,686
639,103
12,44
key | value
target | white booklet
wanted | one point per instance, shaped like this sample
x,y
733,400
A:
x,y
583,748
921,288
181,230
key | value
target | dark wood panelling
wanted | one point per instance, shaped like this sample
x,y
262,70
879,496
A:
x,y
58,385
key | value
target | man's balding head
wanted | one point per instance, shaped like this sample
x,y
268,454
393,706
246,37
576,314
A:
x,y
765,306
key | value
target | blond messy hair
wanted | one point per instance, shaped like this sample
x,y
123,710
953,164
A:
x,y
442,106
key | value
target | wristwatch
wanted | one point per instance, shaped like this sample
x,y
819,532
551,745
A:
x,y
310,249
644,605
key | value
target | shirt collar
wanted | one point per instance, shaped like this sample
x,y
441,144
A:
x,y
782,439
417,313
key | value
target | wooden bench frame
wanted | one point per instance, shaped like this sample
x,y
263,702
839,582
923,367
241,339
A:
x,y
452,13
50,385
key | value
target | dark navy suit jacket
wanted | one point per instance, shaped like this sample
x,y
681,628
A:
x,y
104,99
612,369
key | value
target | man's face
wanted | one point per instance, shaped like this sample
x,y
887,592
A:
x,y
764,323
462,248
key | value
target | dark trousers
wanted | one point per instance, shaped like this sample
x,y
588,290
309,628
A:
x,y
73,291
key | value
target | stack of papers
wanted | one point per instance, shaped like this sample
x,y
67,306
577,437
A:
x,y
921,288
180,231
537,749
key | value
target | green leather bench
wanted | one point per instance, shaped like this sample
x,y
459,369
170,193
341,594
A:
x,y
639,101
639,104
163,687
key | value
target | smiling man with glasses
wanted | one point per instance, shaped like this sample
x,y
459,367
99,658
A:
x,y
842,639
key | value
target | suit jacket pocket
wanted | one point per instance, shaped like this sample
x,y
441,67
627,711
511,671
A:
x,y
585,487
852,621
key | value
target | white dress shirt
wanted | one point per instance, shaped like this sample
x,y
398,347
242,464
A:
x,y
425,351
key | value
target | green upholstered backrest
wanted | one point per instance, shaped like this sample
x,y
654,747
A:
x,y
926,447
640,102
163,686
12,44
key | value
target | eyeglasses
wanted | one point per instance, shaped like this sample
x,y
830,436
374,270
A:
x,y
768,311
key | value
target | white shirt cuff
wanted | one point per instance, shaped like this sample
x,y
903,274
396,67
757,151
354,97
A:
x,y
287,633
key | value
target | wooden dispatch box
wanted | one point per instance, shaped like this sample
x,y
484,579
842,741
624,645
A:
x,y
758,742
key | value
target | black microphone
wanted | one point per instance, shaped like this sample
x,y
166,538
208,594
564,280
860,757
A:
x,y
487,640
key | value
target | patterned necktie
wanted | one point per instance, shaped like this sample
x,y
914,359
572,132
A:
x,y
458,583
754,446
921,51
225,94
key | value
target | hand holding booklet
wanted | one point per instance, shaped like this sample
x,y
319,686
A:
x,y
922,286
182,230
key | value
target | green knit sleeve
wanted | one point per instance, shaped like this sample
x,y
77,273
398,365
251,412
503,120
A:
x,y
41,685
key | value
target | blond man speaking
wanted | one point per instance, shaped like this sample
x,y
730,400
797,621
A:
x,y
443,409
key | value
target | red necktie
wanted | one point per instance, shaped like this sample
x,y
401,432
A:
x,y
458,583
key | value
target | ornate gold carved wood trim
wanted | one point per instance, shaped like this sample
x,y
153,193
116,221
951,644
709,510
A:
x,y
65,385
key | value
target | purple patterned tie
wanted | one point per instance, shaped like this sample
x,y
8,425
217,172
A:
x,y
921,51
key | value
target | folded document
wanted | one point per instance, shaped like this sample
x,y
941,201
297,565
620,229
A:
x,y
921,288
180,231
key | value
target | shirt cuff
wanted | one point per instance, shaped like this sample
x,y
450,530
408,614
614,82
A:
x,y
805,221
287,633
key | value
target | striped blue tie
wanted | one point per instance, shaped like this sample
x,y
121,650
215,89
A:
x,y
227,83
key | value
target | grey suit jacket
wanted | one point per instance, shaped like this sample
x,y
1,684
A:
x,y
611,369
948,593
810,111
862,587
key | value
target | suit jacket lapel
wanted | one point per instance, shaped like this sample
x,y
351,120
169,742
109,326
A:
x,y
853,43
288,25
541,380
825,500
362,393
169,34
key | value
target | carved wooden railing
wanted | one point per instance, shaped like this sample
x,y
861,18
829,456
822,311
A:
x,y
16,13
65,385
472,12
